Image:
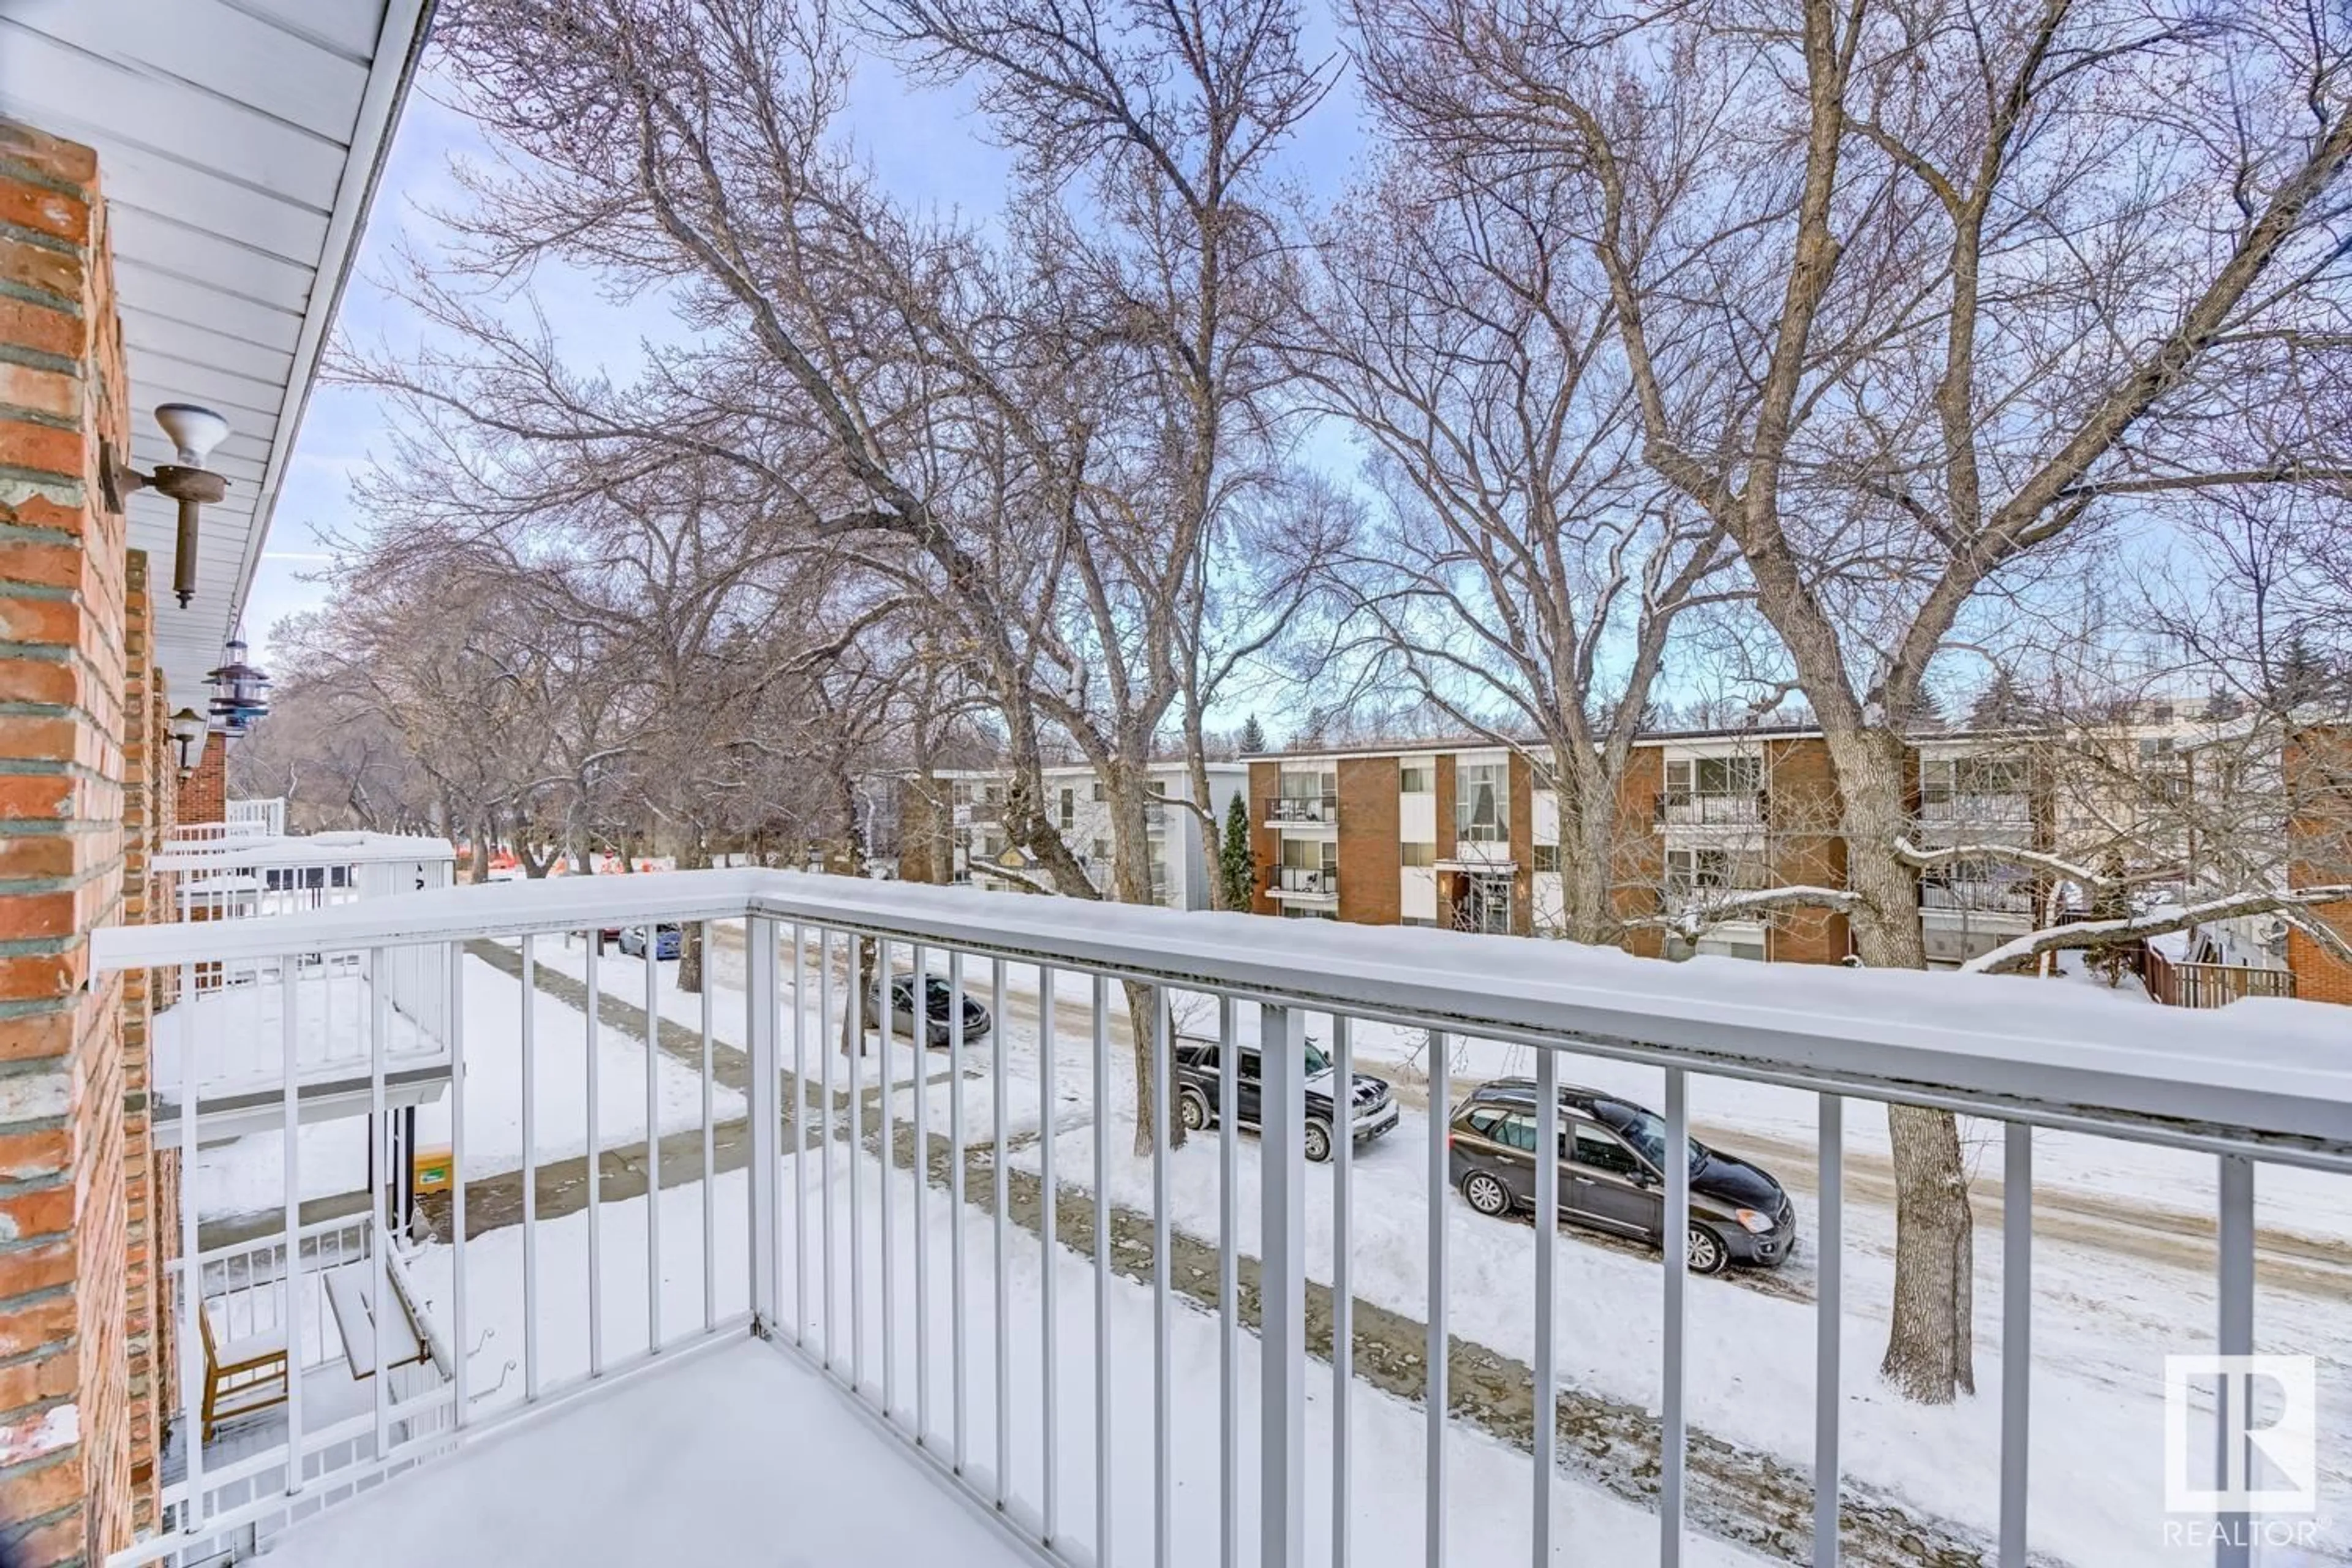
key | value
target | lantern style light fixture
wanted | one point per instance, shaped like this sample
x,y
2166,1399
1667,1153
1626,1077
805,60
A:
x,y
240,692
193,432
188,729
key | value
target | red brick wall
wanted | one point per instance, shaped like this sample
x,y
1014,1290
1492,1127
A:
x,y
1371,880
203,794
1266,844
64,1404
1807,846
151,772
2318,774
1638,872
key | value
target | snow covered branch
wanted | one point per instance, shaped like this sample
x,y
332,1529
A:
x,y
2294,906
1701,913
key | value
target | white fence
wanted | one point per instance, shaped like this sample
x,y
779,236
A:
x,y
975,1305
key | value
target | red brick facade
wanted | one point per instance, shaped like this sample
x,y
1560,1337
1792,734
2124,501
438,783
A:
x,y
203,794
69,1444
2318,773
1371,876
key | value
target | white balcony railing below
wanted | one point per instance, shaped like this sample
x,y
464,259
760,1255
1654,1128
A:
x,y
948,1225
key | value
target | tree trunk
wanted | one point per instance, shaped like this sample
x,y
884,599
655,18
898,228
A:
x,y
1930,1344
689,936
1130,847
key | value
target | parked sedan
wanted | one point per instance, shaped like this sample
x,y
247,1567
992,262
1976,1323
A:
x,y
1613,1157
939,998
1374,1107
668,941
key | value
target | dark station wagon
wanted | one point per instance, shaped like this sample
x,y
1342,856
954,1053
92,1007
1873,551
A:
x,y
1611,1174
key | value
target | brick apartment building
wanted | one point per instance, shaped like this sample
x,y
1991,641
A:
x,y
1464,834
179,200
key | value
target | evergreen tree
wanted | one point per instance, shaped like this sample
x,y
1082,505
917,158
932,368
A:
x,y
1236,860
1253,741
2300,675
2004,704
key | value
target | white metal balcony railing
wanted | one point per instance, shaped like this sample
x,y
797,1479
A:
x,y
2005,810
1286,810
1303,881
245,876
1059,1387
1684,808
1973,896
239,819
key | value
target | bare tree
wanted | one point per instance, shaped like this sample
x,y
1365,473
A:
x,y
1529,566
1910,303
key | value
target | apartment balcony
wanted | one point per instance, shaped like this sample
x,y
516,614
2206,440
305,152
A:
x,y
2009,898
2005,810
1302,884
914,1305
1682,808
1303,810
239,819
248,1028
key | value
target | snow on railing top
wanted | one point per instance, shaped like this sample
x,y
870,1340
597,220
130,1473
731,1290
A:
x,y
2277,1074
299,849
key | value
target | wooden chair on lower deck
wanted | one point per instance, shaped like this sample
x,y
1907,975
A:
x,y
242,1377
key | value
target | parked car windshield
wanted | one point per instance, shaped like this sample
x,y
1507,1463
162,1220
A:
x,y
1317,1063
1646,1130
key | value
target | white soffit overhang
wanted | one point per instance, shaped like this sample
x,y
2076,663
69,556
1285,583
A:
x,y
238,143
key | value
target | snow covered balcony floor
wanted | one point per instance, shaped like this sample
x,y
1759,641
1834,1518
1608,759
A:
x,y
911,1305
739,1454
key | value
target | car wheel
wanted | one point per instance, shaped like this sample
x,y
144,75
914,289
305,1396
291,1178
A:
x,y
1193,1109
1485,1194
1705,1253
1318,1140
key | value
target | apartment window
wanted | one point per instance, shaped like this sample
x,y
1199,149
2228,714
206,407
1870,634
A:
x,y
1715,775
1156,789
1547,856
1420,855
1482,804
1098,792
1416,778
1069,809
992,793
991,846
1417,921
1102,848
1693,869
1307,912
1310,854
2155,749
959,791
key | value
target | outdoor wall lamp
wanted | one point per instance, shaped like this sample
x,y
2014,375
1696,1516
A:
x,y
193,433
188,729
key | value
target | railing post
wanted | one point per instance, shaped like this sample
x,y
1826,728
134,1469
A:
x,y
759,981
1282,1292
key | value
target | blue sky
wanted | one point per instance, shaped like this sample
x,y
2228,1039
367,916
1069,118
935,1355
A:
x,y
925,145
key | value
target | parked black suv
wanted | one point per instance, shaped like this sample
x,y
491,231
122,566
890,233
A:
x,y
1612,1162
939,995
1374,1108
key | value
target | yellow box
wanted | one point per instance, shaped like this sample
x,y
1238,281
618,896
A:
x,y
431,1168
